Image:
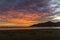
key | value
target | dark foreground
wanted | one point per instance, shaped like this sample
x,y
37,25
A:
x,y
30,34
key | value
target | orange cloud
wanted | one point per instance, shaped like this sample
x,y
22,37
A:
x,y
23,18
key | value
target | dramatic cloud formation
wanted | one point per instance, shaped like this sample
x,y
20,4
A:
x,y
27,12
55,10
23,18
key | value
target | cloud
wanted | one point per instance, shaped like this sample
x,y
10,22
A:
x,y
24,4
23,18
27,12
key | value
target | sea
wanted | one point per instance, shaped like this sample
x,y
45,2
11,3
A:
x,y
27,28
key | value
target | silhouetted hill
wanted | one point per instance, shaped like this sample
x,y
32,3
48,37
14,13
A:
x,y
47,24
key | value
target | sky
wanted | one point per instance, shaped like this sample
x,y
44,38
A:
x,y
28,12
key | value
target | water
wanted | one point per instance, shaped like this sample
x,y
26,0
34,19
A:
x,y
27,28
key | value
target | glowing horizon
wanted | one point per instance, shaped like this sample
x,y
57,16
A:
x,y
28,12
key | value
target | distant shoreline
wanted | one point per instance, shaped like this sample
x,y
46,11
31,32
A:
x,y
27,28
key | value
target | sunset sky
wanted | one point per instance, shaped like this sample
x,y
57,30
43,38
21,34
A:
x,y
28,12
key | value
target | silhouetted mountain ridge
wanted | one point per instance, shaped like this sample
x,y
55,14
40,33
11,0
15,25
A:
x,y
47,24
